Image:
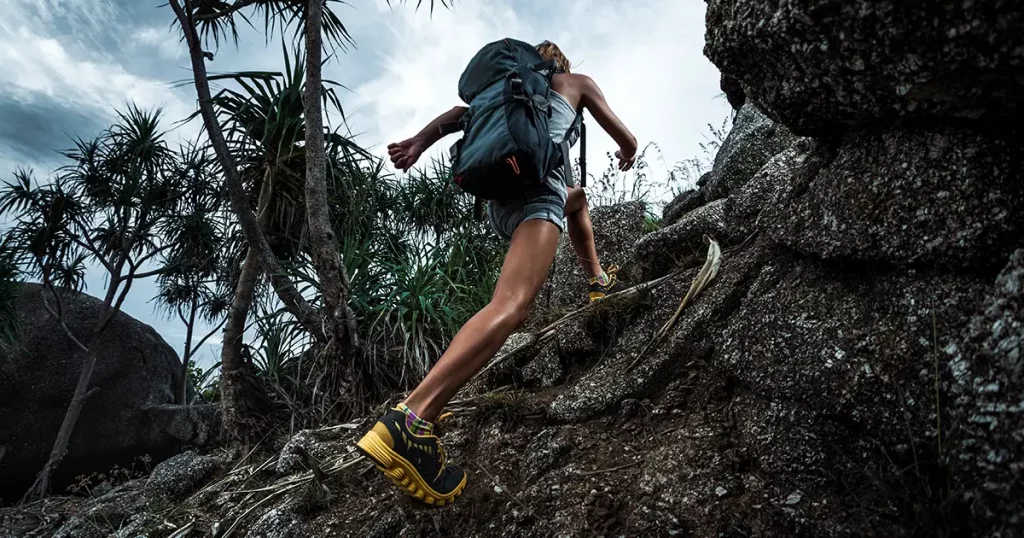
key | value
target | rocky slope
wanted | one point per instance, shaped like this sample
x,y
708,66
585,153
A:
x,y
130,414
855,368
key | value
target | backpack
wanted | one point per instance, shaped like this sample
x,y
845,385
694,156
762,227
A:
x,y
506,147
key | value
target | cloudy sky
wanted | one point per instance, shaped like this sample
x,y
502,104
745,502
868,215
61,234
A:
x,y
69,64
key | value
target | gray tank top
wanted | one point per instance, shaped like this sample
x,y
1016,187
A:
x,y
563,115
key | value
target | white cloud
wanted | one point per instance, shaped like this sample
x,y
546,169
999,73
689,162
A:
x,y
647,58
162,39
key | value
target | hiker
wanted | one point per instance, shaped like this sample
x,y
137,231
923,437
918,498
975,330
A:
x,y
404,443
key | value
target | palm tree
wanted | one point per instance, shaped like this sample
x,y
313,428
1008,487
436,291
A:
x,y
197,285
108,207
211,20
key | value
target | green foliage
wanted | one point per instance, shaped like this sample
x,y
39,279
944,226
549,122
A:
x,y
109,206
10,322
205,384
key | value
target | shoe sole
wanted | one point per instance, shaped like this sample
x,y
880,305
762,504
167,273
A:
x,y
402,473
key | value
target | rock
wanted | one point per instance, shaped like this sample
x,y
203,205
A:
x,y
658,252
733,91
752,141
319,444
79,527
280,522
682,204
194,426
144,524
816,65
616,230
816,341
602,388
774,186
938,197
135,369
545,370
388,524
544,451
988,376
793,498
181,475
107,514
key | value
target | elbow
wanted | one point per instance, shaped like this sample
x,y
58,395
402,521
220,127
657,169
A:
x,y
631,145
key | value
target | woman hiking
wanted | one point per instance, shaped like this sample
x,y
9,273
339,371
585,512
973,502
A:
x,y
402,443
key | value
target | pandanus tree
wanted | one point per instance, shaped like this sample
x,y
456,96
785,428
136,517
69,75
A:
x,y
314,23
108,208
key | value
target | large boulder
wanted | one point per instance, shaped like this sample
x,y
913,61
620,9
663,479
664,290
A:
x,y
134,378
988,375
752,141
942,197
818,64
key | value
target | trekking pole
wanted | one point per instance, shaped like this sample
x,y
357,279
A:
x,y
583,154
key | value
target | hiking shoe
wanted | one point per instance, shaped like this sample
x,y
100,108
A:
x,y
414,463
597,291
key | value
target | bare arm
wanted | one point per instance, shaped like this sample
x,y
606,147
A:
x,y
432,132
405,153
593,99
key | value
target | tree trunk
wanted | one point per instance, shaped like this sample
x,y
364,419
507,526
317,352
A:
x,y
330,270
235,412
41,486
289,294
240,395
182,388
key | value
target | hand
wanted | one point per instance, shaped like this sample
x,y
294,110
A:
x,y
404,154
625,163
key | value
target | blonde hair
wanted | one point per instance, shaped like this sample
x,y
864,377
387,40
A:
x,y
550,51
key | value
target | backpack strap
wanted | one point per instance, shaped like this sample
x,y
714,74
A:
x,y
583,153
571,136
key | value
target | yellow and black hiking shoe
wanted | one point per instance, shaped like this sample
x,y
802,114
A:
x,y
415,463
598,291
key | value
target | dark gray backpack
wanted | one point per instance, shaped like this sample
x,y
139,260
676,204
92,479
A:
x,y
507,147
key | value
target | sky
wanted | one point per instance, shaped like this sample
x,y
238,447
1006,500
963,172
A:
x,y
68,65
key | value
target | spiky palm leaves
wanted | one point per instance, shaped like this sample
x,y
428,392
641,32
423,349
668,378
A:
x,y
110,206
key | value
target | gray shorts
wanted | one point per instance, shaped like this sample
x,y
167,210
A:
x,y
546,201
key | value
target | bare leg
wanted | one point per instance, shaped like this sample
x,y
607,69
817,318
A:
x,y
529,258
581,231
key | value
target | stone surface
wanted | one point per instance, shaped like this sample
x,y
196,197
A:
x,y
752,141
988,376
820,64
776,184
545,370
181,475
616,230
938,197
135,369
682,204
659,252
316,442
602,388
195,426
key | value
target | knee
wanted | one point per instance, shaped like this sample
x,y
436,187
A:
x,y
576,200
512,311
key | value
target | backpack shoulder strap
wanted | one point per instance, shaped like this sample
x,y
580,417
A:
x,y
573,134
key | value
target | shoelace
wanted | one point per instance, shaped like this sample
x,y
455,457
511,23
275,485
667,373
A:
x,y
442,457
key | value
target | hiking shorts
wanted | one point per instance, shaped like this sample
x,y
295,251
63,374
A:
x,y
545,201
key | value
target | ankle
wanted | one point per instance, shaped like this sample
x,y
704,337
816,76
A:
x,y
417,424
